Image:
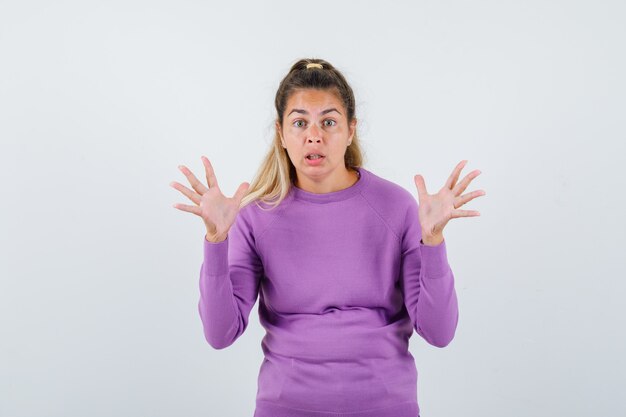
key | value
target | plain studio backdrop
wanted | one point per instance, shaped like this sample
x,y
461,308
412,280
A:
x,y
101,101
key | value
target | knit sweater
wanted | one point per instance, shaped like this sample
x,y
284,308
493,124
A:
x,y
343,279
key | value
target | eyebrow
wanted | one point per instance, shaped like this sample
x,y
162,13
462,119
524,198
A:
x,y
306,112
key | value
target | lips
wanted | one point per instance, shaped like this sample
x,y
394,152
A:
x,y
314,162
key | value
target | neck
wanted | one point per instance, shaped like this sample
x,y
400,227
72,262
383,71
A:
x,y
348,178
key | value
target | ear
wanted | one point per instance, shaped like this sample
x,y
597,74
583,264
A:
x,y
352,129
280,133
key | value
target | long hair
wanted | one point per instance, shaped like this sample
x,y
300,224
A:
x,y
276,173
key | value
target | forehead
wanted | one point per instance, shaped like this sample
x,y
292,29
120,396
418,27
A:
x,y
314,100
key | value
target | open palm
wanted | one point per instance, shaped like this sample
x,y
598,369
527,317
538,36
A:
x,y
436,210
216,210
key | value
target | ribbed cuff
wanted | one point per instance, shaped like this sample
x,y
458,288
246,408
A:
x,y
434,260
215,257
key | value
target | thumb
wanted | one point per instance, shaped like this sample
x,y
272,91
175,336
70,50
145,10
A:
x,y
421,187
241,192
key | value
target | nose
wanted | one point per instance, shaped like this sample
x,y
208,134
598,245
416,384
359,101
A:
x,y
314,133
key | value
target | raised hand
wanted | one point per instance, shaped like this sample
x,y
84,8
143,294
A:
x,y
216,210
435,210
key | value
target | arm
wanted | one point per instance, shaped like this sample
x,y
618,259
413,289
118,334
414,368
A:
x,y
427,283
229,284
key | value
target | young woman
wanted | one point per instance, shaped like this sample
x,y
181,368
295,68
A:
x,y
345,264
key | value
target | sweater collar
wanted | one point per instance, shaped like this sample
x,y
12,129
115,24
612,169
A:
x,y
339,195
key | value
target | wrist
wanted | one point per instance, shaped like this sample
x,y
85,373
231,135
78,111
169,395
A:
x,y
213,238
432,240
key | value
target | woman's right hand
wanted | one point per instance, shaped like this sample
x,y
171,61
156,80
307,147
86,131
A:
x,y
216,210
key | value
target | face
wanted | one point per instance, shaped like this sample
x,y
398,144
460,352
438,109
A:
x,y
315,121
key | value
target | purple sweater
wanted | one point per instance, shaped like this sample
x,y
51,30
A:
x,y
343,279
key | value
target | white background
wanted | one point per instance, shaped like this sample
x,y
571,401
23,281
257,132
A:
x,y
100,102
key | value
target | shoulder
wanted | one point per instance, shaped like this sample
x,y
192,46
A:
x,y
258,216
390,200
385,193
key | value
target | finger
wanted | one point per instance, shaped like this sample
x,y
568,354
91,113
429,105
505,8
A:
x,y
195,184
211,179
241,192
186,191
468,197
421,186
461,186
452,179
188,208
465,213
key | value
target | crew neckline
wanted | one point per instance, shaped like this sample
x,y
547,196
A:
x,y
339,195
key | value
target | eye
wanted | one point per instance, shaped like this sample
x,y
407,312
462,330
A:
x,y
298,121
330,120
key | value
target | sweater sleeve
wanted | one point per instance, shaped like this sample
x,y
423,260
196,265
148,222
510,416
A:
x,y
229,284
427,283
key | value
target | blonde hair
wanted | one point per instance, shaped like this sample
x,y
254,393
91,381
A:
x,y
276,173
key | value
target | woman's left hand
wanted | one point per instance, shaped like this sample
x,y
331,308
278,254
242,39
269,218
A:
x,y
435,210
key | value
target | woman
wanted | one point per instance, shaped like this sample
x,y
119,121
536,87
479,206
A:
x,y
345,263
